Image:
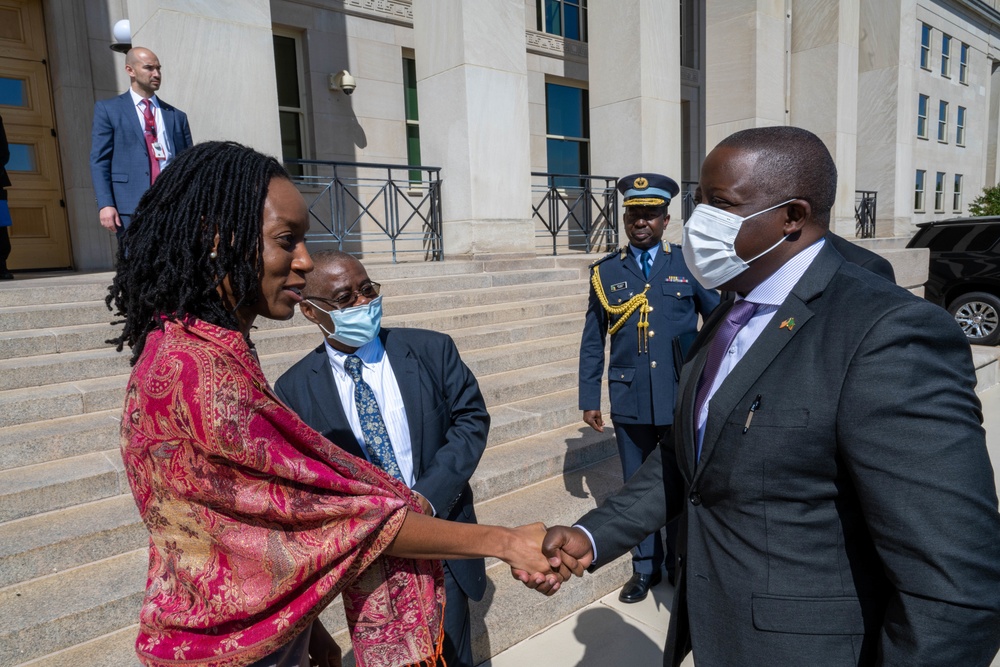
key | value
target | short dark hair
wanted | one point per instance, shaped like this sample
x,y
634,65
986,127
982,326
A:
x,y
793,163
321,259
210,196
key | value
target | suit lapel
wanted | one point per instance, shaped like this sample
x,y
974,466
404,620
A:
x,y
661,261
131,117
406,368
629,264
331,413
764,350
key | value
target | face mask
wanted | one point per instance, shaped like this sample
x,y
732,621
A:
x,y
708,245
356,325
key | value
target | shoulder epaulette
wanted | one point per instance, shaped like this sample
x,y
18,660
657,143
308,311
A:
x,y
605,258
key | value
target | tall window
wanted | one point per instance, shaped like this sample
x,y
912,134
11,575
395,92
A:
x,y
960,127
567,18
956,204
939,192
925,46
963,64
567,127
922,104
943,122
945,55
918,192
412,118
291,118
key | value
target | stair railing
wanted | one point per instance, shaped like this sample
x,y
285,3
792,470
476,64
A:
x,y
574,212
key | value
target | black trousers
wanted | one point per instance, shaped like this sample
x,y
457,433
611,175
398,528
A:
x,y
4,248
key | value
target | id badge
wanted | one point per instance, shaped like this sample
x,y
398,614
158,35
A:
x,y
158,151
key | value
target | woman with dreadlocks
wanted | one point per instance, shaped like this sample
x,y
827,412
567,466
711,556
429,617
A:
x,y
257,522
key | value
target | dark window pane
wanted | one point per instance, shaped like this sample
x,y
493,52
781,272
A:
x,y
553,24
572,22
410,88
12,92
413,150
984,238
286,71
564,110
22,158
291,139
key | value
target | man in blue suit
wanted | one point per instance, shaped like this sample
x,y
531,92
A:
x,y
134,137
644,296
364,385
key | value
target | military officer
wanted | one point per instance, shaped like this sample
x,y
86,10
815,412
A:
x,y
643,296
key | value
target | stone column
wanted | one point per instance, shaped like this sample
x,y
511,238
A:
x,y
635,91
473,96
746,62
824,86
886,119
218,65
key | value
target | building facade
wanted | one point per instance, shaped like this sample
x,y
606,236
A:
x,y
904,92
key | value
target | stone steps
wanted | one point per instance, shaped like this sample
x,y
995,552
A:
x,y
72,548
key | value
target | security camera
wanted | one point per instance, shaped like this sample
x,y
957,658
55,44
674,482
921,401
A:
x,y
343,80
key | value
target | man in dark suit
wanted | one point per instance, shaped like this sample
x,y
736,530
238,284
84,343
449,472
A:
x,y
644,296
839,505
365,385
134,137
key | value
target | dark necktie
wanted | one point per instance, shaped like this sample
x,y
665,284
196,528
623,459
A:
x,y
372,427
149,132
645,260
736,318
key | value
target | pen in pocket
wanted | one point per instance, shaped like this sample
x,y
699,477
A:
x,y
753,408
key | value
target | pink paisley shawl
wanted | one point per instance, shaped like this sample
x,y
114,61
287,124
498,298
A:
x,y
256,521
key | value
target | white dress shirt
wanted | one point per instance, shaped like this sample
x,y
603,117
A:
x,y
377,372
162,136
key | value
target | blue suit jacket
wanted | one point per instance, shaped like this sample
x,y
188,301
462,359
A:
x,y
119,159
636,378
447,418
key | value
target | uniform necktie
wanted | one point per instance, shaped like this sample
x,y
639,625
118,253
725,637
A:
x,y
149,132
737,317
645,260
372,427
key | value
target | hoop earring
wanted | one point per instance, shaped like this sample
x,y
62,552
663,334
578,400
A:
x,y
213,254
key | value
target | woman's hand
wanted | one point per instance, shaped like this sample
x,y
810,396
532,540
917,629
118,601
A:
x,y
523,552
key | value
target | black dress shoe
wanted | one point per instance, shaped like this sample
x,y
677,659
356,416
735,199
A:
x,y
6,275
638,587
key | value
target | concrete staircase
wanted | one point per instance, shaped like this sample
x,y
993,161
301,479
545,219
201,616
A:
x,y
72,547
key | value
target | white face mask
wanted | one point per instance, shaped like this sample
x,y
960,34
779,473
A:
x,y
709,244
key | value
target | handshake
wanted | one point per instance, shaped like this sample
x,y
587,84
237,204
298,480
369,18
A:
x,y
543,558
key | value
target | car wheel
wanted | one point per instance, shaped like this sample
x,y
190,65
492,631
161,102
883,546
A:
x,y
978,313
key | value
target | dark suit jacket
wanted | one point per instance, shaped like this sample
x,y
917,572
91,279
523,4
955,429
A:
x,y
855,522
119,159
636,378
863,257
446,414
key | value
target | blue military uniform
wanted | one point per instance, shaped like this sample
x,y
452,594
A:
x,y
641,379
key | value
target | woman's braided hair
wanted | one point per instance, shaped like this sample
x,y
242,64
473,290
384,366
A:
x,y
212,193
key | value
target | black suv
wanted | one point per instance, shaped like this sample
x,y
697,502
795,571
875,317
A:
x,y
964,272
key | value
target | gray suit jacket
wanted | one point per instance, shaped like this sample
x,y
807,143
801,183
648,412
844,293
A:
x,y
447,418
855,522
119,159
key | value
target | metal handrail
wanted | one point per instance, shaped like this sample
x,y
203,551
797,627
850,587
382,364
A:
x,y
571,205
865,205
363,211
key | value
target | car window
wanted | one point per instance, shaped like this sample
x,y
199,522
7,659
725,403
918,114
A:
x,y
984,238
946,238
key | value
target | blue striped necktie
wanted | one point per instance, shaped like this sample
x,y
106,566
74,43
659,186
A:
x,y
372,427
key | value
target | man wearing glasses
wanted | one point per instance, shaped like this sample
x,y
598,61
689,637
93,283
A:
x,y
400,398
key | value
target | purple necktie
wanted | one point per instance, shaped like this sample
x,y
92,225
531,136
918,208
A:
x,y
736,318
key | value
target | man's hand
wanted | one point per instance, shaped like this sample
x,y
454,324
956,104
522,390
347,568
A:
x,y
323,650
528,565
594,419
570,547
109,219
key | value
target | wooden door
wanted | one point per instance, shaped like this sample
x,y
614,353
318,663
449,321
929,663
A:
x,y
40,234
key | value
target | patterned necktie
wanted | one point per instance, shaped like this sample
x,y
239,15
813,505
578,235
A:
x,y
149,132
736,318
645,260
372,427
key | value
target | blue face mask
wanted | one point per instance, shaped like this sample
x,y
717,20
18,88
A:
x,y
355,326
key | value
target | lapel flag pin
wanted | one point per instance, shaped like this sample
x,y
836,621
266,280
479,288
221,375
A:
x,y
788,324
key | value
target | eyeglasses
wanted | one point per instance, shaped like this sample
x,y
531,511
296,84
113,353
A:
x,y
345,299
